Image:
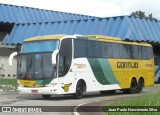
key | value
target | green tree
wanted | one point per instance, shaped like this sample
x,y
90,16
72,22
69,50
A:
x,y
141,14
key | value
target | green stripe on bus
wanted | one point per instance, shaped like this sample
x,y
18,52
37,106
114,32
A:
x,y
102,71
107,70
43,82
39,81
46,81
97,70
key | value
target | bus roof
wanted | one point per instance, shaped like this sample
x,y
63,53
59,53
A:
x,y
103,37
46,37
52,37
115,40
91,37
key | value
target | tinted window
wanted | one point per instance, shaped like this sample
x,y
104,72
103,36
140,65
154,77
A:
x,y
137,52
150,52
116,52
127,51
80,48
106,49
65,56
93,49
145,52
36,66
121,51
36,46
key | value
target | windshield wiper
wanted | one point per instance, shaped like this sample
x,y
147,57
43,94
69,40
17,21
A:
x,y
30,65
42,67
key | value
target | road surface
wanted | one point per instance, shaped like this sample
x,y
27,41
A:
x,y
15,99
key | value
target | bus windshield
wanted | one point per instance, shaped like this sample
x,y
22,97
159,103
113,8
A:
x,y
35,62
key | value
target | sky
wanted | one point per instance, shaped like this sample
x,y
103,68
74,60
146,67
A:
x,y
99,8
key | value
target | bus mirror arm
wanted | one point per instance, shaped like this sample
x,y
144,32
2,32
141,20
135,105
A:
x,y
54,55
11,58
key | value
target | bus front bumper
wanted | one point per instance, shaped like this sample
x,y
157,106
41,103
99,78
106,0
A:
x,y
40,90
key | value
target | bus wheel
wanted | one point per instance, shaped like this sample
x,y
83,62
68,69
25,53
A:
x,y
79,91
107,92
140,85
132,89
46,96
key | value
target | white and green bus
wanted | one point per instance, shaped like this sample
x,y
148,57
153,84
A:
x,y
62,64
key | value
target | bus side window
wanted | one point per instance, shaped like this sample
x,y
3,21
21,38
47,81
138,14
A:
x,y
144,52
106,49
80,48
61,65
94,50
65,56
137,52
116,52
127,51
150,52
121,55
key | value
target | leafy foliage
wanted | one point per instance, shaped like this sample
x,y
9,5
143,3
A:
x,y
141,14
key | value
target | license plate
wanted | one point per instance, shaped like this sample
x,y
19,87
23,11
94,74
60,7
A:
x,y
34,91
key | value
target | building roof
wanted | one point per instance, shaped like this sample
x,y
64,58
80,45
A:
x,y
124,27
20,14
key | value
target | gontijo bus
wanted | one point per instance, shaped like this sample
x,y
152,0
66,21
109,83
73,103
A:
x,y
62,64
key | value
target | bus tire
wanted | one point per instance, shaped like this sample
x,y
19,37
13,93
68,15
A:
x,y
46,96
132,89
107,92
79,91
140,85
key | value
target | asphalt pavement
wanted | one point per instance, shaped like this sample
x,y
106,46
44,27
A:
x,y
66,104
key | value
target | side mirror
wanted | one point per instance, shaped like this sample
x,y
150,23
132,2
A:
x,y
11,58
54,55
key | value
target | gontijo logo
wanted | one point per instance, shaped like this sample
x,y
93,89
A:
x,y
127,64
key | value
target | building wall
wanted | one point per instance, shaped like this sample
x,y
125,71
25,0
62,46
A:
x,y
7,71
